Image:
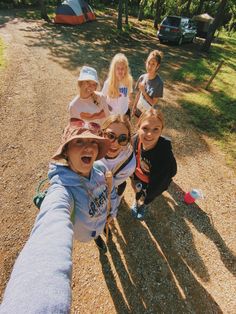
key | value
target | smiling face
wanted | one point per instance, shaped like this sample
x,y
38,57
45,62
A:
x,y
117,129
152,66
87,88
149,132
120,70
81,154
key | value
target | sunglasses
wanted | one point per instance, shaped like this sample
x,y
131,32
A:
x,y
92,126
122,139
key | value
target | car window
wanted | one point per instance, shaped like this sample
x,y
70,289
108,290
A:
x,y
171,21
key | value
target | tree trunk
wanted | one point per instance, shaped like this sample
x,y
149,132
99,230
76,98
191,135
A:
x,y
157,14
43,10
200,7
188,7
142,5
119,20
213,27
126,12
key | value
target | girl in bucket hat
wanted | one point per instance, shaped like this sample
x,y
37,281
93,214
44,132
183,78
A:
x,y
89,104
75,204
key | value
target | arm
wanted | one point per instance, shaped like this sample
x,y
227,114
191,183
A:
x,y
135,102
161,178
41,277
152,101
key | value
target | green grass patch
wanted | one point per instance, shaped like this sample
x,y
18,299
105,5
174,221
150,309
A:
x,y
2,60
214,111
34,13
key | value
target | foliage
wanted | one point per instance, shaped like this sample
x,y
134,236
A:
x,y
213,112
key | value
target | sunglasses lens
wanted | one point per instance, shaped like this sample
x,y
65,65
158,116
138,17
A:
x,y
110,136
123,139
94,126
77,122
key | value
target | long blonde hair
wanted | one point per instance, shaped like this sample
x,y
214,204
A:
x,y
113,83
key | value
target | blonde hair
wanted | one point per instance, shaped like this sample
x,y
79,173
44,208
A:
x,y
155,54
154,113
117,118
113,83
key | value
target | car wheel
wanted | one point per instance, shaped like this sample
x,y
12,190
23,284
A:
x,y
180,41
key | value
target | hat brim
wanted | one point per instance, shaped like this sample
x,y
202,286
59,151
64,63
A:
x,y
103,145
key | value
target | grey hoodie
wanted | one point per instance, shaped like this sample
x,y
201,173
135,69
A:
x,y
41,277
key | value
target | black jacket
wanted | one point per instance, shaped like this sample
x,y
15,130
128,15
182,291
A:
x,y
162,167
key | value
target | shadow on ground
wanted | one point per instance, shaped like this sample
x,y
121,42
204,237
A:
x,y
160,259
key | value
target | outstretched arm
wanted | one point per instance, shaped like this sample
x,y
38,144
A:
x,y
41,277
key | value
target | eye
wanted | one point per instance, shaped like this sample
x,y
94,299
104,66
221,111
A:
x,y
156,129
94,142
79,142
145,128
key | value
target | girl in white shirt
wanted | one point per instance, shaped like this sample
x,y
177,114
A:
x,y
118,87
120,159
89,105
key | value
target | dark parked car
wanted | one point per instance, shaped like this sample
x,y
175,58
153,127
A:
x,y
177,29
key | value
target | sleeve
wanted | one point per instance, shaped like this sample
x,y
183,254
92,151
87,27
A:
x,y
104,105
41,278
158,92
138,81
73,108
105,88
161,176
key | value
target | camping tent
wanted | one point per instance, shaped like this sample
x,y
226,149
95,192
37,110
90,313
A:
x,y
74,12
203,22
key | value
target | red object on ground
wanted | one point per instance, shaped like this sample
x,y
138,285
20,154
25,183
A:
x,y
188,198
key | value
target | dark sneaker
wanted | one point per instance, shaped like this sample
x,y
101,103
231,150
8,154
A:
x,y
134,210
141,212
101,244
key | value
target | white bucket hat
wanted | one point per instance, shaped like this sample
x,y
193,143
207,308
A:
x,y
88,74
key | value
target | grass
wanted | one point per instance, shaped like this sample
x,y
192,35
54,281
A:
x,y
2,60
214,111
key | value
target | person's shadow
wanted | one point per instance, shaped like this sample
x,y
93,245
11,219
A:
x,y
155,264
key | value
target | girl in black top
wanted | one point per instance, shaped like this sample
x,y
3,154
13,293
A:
x,y
156,164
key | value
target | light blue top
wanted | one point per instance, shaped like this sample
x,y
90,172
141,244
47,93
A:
x,y
41,278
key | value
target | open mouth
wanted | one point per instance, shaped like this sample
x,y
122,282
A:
x,y
86,159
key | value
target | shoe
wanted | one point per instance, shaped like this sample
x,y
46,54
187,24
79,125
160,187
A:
x,y
141,212
101,244
134,209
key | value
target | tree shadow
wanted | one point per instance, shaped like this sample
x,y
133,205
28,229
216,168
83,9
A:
x,y
202,222
156,269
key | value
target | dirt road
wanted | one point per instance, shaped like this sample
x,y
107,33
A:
x,y
180,260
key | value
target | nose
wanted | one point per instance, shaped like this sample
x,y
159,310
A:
x,y
88,147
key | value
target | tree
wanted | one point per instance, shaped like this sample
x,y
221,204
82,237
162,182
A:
x,y
187,10
119,20
142,5
158,13
126,12
43,10
200,7
213,27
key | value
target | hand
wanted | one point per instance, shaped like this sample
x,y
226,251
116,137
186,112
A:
x,y
141,87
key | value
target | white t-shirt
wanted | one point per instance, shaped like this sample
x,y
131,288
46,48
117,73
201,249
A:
x,y
115,163
118,105
87,110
